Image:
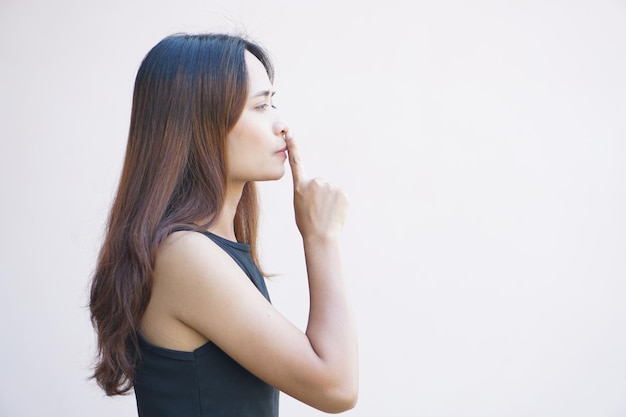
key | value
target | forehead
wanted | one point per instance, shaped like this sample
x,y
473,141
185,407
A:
x,y
257,75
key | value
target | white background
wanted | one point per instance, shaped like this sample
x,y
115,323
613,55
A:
x,y
483,147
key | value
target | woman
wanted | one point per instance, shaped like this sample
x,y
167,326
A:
x,y
179,304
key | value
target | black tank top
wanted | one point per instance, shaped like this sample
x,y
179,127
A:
x,y
205,382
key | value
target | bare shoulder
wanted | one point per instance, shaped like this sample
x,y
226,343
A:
x,y
198,284
184,252
182,243
190,271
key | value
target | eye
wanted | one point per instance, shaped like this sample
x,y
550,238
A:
x,y
265,106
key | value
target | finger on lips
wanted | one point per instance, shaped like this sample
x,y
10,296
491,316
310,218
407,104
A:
x,y
295,161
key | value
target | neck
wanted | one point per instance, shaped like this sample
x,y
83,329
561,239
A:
x,y
224,226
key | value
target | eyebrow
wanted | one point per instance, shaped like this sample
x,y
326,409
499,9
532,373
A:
x,y
264,93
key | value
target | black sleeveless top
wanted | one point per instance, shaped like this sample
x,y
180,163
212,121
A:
x,y
205,382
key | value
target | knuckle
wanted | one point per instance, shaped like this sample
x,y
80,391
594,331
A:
x,y
316,183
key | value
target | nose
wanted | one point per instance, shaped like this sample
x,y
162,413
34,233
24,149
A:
x,y
280,127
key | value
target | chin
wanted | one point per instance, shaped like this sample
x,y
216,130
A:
x,y
269,176
277,176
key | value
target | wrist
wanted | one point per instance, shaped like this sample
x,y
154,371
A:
x,y
321,239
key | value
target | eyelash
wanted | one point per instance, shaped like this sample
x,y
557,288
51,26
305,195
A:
x,y
265,106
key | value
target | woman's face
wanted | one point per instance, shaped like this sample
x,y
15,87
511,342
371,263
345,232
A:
x,y
256,148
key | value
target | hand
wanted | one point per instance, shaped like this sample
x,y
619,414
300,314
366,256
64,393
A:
x,y
320,207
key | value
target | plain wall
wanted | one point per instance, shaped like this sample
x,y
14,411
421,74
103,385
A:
x,y
483,147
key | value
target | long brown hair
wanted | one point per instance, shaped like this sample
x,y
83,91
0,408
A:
x,y
189,92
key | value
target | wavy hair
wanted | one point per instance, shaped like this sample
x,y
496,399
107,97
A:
x,y
189,92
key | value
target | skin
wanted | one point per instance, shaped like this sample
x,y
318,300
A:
x,y
201,294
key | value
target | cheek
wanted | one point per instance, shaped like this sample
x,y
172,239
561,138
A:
x,y
245,132
250,137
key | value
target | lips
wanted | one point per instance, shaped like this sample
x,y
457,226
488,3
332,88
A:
x,y
282,153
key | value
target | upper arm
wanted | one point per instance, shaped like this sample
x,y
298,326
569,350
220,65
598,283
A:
x,y
210,293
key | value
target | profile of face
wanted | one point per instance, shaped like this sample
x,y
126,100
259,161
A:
x,y
255,147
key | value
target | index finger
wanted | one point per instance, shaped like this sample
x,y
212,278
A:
x,y
297,169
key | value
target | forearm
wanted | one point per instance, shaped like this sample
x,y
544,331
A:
x,y
331,327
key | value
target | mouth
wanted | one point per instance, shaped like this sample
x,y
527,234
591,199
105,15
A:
x,y
282,152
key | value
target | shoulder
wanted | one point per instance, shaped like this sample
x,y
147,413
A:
x,y
185,245
192,279
191,255
182,242
197,283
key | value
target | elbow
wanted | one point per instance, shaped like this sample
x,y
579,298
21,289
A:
x,y
341,399
347,401
332,390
